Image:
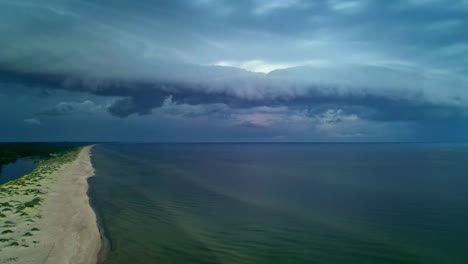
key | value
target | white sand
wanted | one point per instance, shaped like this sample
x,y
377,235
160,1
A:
x,y
68,228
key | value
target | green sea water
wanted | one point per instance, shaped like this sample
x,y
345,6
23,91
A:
x,y
282,203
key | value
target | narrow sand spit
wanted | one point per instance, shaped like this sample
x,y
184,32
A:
x,y
65,230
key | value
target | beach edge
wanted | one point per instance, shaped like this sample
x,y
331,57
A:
x,y
105,244
102,249
70,208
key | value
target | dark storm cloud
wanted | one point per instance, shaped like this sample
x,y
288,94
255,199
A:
x,y
210,31
393,94
382,60
67,108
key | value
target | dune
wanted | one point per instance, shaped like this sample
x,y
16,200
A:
x,y
50,219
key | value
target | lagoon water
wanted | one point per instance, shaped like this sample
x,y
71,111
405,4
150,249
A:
x,y
282,203
17,169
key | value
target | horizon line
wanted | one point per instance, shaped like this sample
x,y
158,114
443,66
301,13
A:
x,y
232,142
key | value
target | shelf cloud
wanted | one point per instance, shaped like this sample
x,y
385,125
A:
x,y
391,63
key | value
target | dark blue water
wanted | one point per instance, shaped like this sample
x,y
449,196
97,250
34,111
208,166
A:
x,y
283,203
17,169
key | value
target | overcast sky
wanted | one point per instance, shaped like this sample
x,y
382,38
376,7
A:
x,y
238,70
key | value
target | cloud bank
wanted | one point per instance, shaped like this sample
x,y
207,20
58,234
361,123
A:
x,y
255,63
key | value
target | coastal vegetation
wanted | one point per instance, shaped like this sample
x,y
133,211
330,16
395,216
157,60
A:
x,y
10,152
21,199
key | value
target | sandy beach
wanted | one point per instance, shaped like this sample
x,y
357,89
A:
x,y
62,228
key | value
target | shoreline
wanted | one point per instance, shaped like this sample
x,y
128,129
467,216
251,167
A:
x,y
61,227
105,244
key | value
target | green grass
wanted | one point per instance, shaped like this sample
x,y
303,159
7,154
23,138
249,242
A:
x,y
13,244
34,202
28,186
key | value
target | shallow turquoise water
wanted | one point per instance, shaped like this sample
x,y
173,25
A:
x,y
282,203
17,169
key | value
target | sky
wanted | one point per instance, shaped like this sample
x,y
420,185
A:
x,y
234,70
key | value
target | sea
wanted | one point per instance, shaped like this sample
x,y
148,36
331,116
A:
x,y
282,203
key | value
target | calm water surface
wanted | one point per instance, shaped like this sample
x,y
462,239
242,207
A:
x,y
283,203
17,169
